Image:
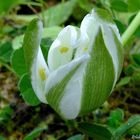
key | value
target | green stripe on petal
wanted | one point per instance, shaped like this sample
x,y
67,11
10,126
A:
x,y
99,76
56,89
31,42
35,62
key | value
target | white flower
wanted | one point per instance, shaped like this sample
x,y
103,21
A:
x,y
83,66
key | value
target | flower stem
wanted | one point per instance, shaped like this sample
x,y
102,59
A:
x,y
7,66
131,29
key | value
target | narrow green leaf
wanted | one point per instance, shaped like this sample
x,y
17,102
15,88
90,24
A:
x,y
76,137
27,92
123,81
34,134
95,131
135,130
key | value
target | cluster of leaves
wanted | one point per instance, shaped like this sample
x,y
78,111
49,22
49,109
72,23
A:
x,y
69,12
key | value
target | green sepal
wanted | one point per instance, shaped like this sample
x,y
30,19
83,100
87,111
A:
x,y
31,42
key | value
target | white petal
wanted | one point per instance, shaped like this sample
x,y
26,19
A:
x,y
82,45
39,75
112,48
70,104
115,29
59,55
61,72
90,26
62,49
69,35
64,93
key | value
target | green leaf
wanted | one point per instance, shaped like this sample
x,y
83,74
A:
x,y
122,130
7,4
119,5
135,130
51,32
133,5
18,62
116,117
34,134
54,15
27,92
76,137
95,131
85,5
123,81
5,52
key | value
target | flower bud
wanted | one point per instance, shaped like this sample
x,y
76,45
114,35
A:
x,y
83,66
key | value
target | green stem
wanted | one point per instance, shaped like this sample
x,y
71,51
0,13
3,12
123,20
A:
x,y
7,66
131,29
30,3
42,12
